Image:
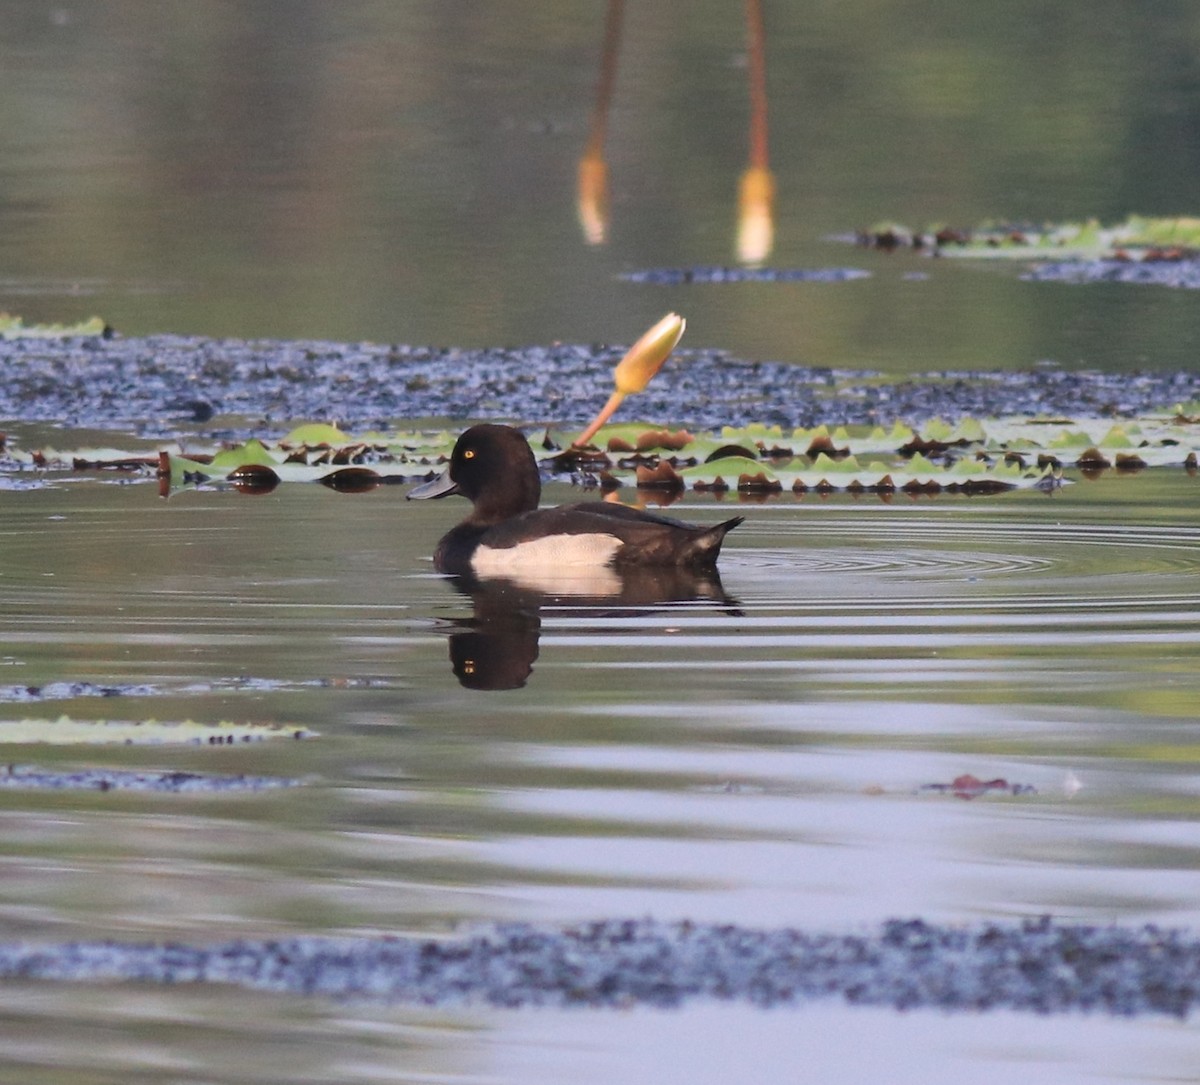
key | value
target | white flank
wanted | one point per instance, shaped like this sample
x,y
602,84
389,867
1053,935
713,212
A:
x,y
571,564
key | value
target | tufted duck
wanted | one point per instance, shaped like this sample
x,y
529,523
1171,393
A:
x,y
494,467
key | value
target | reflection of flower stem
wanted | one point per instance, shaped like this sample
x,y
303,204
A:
x,y
756,45
756,193
592,188
608,77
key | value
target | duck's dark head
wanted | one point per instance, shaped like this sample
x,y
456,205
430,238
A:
x,y
495,469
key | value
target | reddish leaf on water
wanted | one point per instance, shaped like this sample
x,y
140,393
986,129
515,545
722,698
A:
x,y
1091,459
758,483
949,236
253,478
979,487
351,480
672,441
1170,255
578,459
662,477
823,443
129,463
925,448
969,786
350,454
727,451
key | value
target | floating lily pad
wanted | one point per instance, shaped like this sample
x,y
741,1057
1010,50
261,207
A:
x,y
73,732
979,454
13,327
1138,238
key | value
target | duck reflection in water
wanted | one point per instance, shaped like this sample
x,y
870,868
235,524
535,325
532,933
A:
x,y
496,648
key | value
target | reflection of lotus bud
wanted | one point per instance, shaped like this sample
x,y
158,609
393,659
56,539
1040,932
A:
x,y
637,368
646,356
592,199
756,227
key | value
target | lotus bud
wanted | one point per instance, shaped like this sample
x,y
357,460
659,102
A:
x,y
646,356
634,371
756,226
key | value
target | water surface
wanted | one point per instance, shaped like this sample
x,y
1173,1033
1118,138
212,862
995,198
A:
x,y
756,759
409,172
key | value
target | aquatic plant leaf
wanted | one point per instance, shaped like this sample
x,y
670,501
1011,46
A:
x,y
315,433
13,327
981,453
753,433
1071,439
253,478
843,465
1139,237
726,467
72,732
252,452
639,437
1120,437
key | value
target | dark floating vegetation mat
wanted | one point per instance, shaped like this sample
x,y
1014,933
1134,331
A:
x,y
678,276
1182,273
31,778
172,384
1039,966
66,691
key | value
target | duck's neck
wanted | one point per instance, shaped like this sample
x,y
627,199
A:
x,y
516,496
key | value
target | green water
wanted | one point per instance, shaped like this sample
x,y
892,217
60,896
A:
x,y
409,171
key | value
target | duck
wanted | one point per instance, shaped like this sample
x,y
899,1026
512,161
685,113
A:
x,y
506,533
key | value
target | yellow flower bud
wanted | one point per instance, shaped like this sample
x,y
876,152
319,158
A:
x,y
646,356
637,368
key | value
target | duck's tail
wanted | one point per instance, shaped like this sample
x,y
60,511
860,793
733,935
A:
x,y
704,547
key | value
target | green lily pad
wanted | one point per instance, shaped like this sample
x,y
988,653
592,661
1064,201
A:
x,y
13,327
315,433
72,732
1138,236
762,456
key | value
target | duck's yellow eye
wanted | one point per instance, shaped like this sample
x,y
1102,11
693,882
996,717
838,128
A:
x,y
469,454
